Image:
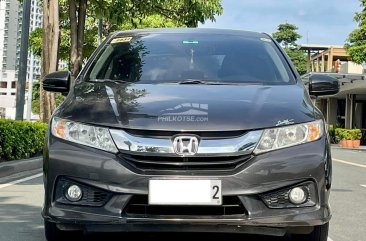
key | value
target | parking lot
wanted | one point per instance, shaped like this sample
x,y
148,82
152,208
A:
x,y
21,201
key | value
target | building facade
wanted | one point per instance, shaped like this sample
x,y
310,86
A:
x,y
346,109
10,36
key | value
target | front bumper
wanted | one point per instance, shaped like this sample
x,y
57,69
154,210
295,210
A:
x,y
263,173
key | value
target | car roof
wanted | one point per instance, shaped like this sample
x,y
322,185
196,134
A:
x,y
189,31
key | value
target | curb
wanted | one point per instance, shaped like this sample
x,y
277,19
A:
x,y
13,167
348,149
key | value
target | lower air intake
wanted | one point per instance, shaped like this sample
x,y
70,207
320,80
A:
x,y
138,205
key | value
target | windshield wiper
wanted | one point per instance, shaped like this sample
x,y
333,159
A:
x,y
202,82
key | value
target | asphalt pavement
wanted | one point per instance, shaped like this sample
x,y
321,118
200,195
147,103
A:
x,y
21,201
348,196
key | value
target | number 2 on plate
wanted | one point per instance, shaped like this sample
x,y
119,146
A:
x,y
216,188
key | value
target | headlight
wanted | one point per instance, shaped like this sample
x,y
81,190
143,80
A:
x,y
286,136
97,137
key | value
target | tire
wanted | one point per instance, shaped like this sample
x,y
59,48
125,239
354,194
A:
x,y
53,233
320,233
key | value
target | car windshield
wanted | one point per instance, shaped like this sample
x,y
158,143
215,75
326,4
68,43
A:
x,y
195,58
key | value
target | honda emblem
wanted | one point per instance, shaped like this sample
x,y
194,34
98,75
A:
x,y
185,145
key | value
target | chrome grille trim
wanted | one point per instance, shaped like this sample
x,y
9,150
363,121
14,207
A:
x,y
244,144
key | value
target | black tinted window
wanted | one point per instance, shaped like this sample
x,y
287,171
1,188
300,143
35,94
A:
x,y
157,58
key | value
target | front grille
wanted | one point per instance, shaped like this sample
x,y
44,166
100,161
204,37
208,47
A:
x,y
91,196
144,162
276,199
202,134
94,197
138,206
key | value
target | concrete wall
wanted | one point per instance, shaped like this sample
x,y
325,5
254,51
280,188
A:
x,y
331,114
351,68
10,78
358,115
7,101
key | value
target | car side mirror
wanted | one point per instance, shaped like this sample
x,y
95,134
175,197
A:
x,y
57,82
323,85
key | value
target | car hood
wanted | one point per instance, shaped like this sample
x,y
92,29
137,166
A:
x,y
176,107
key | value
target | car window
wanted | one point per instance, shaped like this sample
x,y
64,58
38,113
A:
x,y
160,58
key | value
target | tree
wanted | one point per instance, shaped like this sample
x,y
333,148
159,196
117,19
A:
x,y
50,42
188,12
36,43
90,43
77,16
36,96
299,59
356,42
287,36
78,22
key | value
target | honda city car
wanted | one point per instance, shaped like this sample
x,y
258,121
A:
x,y
188,130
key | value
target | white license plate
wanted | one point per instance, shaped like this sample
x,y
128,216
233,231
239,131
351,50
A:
x,y
185,192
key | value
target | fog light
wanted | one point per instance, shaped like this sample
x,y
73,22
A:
x,y
298,195
74,193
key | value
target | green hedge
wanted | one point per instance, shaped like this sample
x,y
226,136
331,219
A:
x,y
348,134
20,139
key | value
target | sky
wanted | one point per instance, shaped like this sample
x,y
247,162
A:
x,y
319,21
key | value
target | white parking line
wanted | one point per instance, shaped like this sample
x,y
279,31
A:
x,y
329,239
20,180
349,163
362,185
